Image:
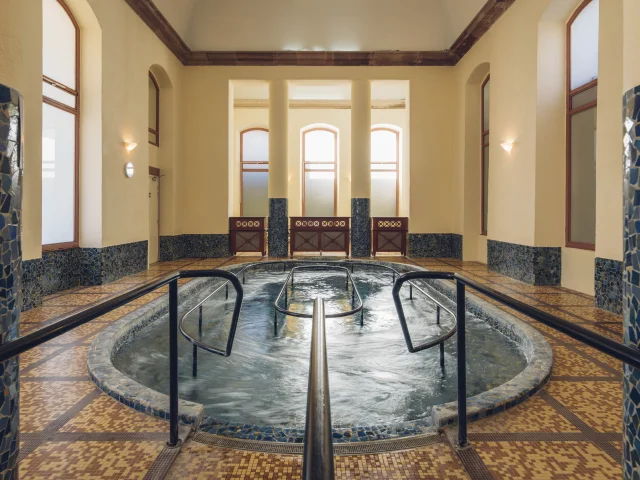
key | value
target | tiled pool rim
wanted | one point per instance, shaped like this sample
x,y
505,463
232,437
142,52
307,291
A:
x,y
109,379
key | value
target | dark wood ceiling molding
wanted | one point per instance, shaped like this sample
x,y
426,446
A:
x,y
482,22
154,19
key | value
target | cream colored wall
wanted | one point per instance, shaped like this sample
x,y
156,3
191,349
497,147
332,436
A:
x,y
578,268
21,68
205,128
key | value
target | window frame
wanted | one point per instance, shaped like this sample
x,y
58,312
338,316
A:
x,y
396,168
484,158
570,112
156,131
76,113
243,163
334,163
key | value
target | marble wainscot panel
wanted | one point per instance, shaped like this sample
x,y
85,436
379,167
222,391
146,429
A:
x,y
360,227
631,280
171,248
32,273
435,245
61,270
535,349
11,161
533,265
608,284
176,247
119,261
278,233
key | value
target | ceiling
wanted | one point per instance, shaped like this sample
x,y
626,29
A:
x,y
329,25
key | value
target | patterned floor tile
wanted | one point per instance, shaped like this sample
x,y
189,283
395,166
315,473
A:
x,y
562,299
601,357
105,414
117,314
44,314
594,314
70,363
149,297
547,460
75,299
566,362
89,460
43,402
86,330
598,404
37,354
107,288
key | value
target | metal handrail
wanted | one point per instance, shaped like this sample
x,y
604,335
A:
x,y
38,337
347,313
609,347
317,461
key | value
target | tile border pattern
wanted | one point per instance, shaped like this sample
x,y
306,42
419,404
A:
x,y
435,245
608,284
532,265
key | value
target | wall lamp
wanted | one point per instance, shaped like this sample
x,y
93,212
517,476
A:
x,y
507,147
130,146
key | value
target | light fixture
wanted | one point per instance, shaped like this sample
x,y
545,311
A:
x,y
130,146
507,146
128,170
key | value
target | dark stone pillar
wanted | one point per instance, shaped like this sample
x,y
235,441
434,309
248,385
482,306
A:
x,y
278,227
631,285
360,227
10,283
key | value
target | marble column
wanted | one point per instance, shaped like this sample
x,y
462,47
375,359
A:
x,y
11,162
360,168
278,168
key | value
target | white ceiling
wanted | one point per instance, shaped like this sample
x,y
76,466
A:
x,y
348,25
397,90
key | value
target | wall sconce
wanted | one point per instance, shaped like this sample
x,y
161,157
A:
x,y
130,146
128,170
507,147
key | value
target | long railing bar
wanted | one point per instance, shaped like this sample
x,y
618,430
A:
x,y
461,344
318,441
173,364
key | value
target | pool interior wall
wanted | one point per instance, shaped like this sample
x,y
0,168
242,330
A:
x,y
378,389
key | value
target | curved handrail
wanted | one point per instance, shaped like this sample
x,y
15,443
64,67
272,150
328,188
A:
x,y
353,311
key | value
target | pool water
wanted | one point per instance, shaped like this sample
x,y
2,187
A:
x,y
373,378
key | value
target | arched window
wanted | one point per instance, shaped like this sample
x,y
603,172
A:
x,y
154,111
582,90
254,177
385,158
60,126
485,95
319,180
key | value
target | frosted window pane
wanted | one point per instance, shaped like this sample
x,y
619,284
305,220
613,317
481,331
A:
x,y
58,95
383,194
319,146
583,98
584,45
486,95
58,175
384,146
153,105
255,146
255,194
318,194
485,183
583,177
58,44
320,166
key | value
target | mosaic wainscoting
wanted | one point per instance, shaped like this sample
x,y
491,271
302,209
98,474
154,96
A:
x,y
533,265
64,269
360,227
435,245
176,247
11,158
608,284
278,237
631,286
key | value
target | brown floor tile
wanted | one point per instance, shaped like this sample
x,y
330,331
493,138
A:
x,y
547,460
566,362
594,314
86,330
562,299
150,297
89,460
117,314
75,299
70,363
601,357
37,354
112,288
44,314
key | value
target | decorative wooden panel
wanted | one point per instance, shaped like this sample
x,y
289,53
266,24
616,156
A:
x,y
390,234
247,234
320,234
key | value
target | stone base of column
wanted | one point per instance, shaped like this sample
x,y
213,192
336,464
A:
x,y
360,227
278,227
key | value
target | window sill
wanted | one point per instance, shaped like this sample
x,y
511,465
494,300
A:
x,y
53,247
581,246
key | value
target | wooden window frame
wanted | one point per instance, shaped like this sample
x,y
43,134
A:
x,y
396,165
243,163
156,131
570,112
76,113
334,163
484,158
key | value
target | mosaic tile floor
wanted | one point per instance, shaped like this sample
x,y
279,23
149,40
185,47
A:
x,y
571,429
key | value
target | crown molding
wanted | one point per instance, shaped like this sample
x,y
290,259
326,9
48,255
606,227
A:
x,y
320,104
482,22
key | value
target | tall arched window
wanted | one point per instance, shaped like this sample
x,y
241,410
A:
x,y
254,177
485,95
319,179
582,90
154,111
385,158
60,126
